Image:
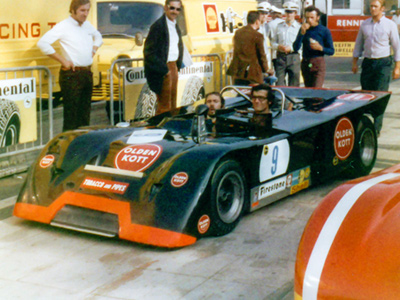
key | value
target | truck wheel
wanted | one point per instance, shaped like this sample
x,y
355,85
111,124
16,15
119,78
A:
x,y
194,90
10,123
365,149
228,194
147,103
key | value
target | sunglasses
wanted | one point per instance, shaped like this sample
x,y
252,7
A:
x,y
174,8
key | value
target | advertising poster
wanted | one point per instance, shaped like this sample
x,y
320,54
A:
x,y
17,111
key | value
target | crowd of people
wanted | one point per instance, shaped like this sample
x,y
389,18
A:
x,y
280,47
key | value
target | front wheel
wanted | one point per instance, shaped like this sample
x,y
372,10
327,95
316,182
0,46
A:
x,y
228,194
365,150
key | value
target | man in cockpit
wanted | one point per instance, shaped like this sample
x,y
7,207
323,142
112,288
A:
x,y
214,101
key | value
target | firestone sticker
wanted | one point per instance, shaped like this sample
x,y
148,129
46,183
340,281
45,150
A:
x,y
204,224
47,161
179,179
137,158
344,138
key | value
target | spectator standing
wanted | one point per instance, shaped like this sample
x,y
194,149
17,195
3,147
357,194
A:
x,y
317,41
249,60
163,54
264,8
79,42
374,41
288,60
276,15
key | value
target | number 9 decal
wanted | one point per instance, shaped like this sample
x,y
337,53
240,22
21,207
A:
x,y
274,163
274,160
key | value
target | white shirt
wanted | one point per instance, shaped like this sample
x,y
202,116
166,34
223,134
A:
x,y
375,39
267,48
76,41
285,35
173,52
272,31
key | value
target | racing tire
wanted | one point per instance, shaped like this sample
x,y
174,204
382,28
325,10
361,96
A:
x,y
194,91
228,195
365,149
10,123
147,103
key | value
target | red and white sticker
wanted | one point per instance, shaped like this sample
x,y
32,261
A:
x,y
47,161
356,97
137,157
204,224
344,138
104,185
179,179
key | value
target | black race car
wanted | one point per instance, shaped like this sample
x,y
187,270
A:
x,y
179,176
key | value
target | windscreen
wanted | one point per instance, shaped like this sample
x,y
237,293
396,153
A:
x,y
127,18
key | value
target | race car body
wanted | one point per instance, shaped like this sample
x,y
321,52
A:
x,y
177,177
350,246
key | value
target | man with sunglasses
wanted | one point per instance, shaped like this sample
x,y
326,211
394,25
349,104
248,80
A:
x,y
163,53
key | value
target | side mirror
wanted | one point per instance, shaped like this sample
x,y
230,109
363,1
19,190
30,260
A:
x,y
199,130
201,110
139,38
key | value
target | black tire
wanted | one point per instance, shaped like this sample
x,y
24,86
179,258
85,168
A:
x,y
194,90
10,123
228,194
147,103
365,149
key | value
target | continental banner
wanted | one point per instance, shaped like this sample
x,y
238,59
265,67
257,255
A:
x,y
193,81
17,111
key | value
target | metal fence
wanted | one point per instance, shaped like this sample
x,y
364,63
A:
x,y
116,74
26,116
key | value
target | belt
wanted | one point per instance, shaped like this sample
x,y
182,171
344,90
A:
x,y
281,54
372,58
88,68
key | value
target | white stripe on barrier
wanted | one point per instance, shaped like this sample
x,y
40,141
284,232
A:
x,y
325,239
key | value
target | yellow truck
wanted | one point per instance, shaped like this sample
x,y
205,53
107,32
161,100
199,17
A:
x,y
207,27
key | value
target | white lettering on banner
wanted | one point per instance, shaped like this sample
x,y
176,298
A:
x,y
136,75
349,23
271,188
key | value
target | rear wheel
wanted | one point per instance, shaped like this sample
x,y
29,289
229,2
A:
x,y
365,149
228,194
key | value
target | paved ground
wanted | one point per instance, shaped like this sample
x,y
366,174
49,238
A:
x,y
256,261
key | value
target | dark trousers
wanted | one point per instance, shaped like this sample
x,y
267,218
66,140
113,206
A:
x,y
76,87
288,64
313,71
375,76
166,100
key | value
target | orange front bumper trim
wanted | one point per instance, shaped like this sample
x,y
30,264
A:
x,y
127,230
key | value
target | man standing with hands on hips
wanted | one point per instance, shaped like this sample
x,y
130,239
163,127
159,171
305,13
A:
x,y
317,41
163,54
79,42
374,40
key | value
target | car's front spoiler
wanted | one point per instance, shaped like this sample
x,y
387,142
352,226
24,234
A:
x,y
127,230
